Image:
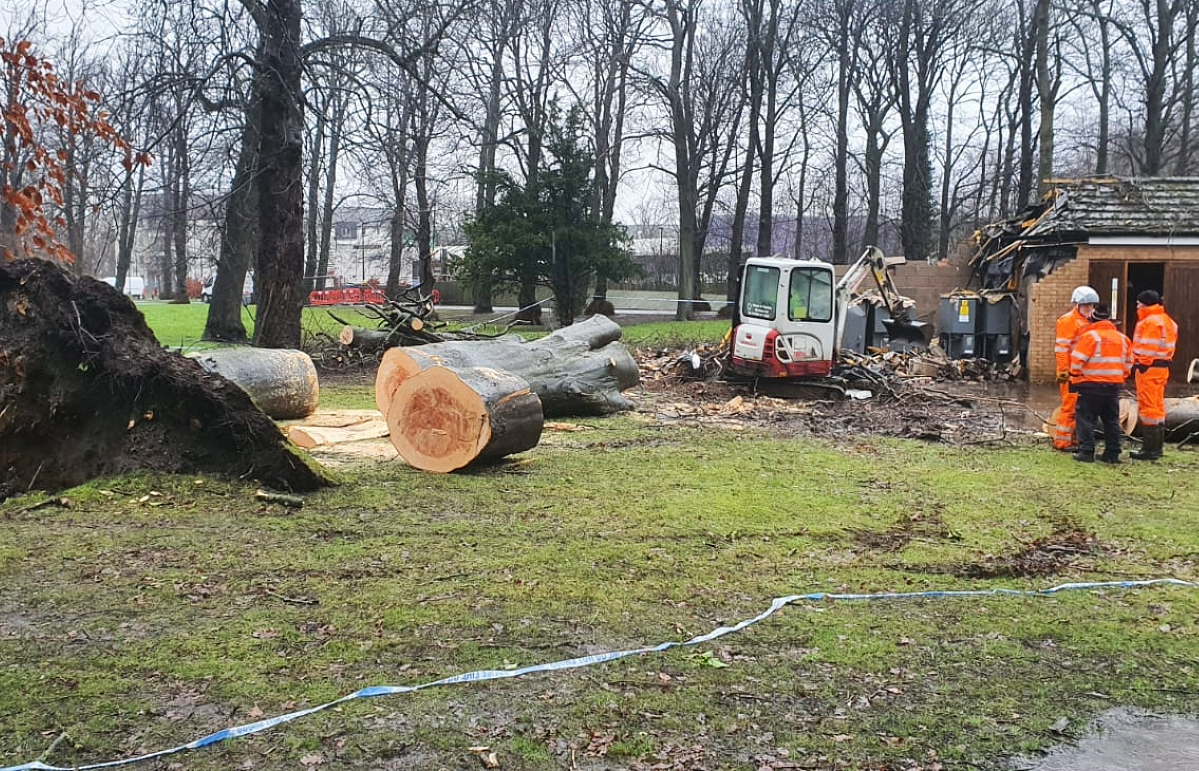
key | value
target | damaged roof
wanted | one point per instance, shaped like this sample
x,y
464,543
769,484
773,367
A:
x,y
1119,206
1045,234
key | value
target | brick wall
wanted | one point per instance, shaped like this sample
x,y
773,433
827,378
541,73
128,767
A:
x,y
924,283
1048,299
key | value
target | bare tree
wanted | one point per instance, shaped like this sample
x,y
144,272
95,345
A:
x,y
925,29
701,91
1158,40
610,36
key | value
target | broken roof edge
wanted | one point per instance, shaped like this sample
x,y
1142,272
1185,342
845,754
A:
x,y
1112,205
1084,210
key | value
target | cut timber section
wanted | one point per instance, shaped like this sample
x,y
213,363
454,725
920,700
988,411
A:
x,y
442,420
282,382
577,370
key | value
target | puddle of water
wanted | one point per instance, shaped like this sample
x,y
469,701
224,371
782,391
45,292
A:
x,y
1125,740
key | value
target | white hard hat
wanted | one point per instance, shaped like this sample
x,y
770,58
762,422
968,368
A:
x,y
1084,295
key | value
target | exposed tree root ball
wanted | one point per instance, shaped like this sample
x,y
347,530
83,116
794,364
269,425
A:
x,y
86,390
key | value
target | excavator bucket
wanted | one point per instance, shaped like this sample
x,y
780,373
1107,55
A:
x,y
905,334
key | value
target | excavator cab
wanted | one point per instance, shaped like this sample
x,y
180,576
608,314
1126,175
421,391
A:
x,y
791,315
788,314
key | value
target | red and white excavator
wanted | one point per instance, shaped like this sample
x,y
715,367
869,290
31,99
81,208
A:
x,y
791,314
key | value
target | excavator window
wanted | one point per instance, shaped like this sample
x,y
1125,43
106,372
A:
x,y
811,295
760,292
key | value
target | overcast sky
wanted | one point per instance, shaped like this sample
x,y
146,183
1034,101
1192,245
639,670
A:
x,y
46,20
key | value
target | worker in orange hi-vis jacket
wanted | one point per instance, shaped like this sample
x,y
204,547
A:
x,y
1099,364
1084,299
1153,345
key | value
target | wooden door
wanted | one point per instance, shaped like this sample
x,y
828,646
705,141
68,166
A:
x,y
1181,298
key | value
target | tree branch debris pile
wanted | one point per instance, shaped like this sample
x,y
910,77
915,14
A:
x,y
409,320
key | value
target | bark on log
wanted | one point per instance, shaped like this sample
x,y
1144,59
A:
x,y
281,381
443,420
1182,418
577,370
360,337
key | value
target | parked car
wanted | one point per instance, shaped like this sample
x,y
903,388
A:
x,y
135,286
247,290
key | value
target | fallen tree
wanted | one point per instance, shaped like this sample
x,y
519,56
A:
x,y
577,370
86,391
443,420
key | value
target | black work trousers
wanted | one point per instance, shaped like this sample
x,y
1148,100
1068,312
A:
x,y
1092,408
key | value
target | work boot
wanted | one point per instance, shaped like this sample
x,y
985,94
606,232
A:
x,y
1084,456
1110,456
1151,443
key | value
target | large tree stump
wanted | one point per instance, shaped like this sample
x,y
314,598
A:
x,y
281,381
86,390
443,420
577,370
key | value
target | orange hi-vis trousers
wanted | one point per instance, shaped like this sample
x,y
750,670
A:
x,y
1151,395
1063,433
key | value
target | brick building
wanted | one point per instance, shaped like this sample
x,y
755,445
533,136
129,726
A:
x,y
1118,235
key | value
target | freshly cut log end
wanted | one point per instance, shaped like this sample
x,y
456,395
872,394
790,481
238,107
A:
x,y
395,367
442,420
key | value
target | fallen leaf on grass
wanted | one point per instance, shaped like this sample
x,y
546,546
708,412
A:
x,y
311,760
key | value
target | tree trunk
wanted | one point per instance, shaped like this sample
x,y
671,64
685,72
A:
x,y
1047,95
128,216
578,370
845,78
442,420
181,214
327,203
224,322
282,382
316,156
280,188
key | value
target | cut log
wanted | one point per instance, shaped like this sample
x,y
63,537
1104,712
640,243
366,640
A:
x,y
443,420
360,337
1182,417
378,339
282,382
577,370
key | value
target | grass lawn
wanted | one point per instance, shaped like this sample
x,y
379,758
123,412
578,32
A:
x,y
181,326
143,612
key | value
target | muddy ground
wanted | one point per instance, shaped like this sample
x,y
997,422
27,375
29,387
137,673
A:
x,y
955,412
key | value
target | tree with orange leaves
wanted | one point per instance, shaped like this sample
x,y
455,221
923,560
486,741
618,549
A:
x,y
33,173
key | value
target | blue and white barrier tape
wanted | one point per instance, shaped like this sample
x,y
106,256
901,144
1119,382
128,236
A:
x,y
586,661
